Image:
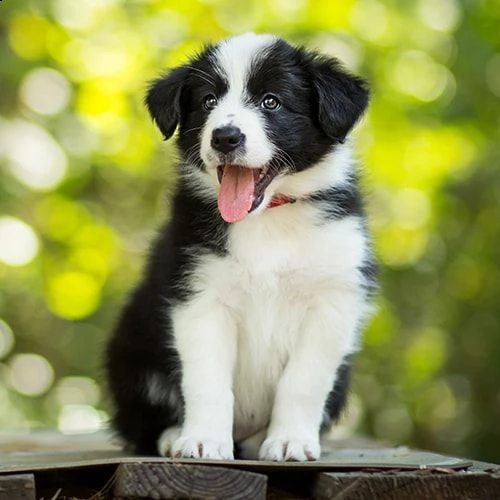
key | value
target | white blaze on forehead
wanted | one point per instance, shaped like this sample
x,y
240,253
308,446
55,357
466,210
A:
x,y
236,55
233,59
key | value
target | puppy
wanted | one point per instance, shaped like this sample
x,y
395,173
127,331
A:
x,y
241,332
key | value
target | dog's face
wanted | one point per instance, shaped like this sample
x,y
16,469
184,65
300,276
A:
x,y
252,109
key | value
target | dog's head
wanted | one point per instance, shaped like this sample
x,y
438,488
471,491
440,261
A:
x,y
253,109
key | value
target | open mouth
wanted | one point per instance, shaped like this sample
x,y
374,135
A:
x,y
241,189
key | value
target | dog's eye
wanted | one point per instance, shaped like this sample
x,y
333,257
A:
x,y
270,102
209,102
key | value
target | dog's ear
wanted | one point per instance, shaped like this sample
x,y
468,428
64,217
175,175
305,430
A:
x,y
163,100
342,97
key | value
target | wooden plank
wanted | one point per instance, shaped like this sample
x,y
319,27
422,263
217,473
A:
x,y
17,487
49,450
336,459
404,485
165,481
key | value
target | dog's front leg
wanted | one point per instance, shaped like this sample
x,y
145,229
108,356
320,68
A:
x,y
205,336
327,335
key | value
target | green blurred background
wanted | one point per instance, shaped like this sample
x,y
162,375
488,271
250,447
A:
x,y
83,176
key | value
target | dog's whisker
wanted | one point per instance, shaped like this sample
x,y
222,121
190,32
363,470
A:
x,y
286,159
203,75
212,84
281,160
200,71
193,129
193,156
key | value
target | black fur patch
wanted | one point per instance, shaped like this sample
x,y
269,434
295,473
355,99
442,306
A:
x,y
339,202
370,272
337,399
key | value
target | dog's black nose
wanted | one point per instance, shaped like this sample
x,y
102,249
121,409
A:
x,y
227,139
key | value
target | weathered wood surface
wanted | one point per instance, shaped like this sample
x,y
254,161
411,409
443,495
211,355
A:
x,y
354,468
168,481
17,487
346,454
405,485
346,459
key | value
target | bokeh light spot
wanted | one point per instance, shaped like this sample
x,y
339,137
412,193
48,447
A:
x,y
166,29
411,208
415,73
75,137
74,14
77,419
27,34
45,91
431,155
18,242
31,374
73,295
77,391
344,47
35,158
6,339
370,20
444,15
400,247
60,218
426,354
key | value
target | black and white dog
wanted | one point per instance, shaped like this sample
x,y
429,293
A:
x,y
240,335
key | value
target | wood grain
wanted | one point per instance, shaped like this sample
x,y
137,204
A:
x,y
165,481
17,487
416,485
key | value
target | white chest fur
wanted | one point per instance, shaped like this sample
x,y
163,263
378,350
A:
x,y
278,264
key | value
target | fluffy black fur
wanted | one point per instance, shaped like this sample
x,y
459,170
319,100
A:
x,y
322,102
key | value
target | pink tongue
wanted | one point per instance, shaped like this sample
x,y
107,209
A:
x,y
236,193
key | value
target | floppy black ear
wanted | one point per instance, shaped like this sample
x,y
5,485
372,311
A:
x,y
163,100
342,98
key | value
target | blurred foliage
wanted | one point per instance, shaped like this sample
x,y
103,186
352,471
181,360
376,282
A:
x,y
83,172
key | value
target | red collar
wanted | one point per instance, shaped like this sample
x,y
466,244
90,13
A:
x,y
280,199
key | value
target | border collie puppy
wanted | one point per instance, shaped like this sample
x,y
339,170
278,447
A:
x,y
240,335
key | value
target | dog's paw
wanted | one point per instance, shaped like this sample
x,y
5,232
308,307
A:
x,y
166,441
201,447
293,449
